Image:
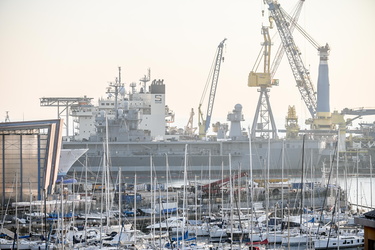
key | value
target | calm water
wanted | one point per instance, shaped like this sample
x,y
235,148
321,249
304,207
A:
x,y
360,190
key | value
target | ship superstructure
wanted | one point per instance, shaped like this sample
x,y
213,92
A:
x,y
138,115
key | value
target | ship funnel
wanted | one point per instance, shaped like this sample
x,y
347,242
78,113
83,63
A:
x,y
323,81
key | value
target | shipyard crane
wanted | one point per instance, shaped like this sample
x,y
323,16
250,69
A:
x,y
263,117
291,123
263,114
299,70
204,124
280,51
357,112
323,118
189,129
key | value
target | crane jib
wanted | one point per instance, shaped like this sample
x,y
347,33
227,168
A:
x,y
299,70
214,82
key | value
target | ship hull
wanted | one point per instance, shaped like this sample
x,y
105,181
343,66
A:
x,y
204,158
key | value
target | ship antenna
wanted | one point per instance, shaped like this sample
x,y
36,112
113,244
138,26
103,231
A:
x,y
116,87
7,116
146,79
119,75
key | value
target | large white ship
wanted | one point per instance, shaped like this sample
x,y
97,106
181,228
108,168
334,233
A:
x,y
136,126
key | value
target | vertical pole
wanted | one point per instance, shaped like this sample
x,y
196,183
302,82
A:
x,y
3,168
86,193
371,179
152,200
209,186
282,179
17,222
31,198
338,159
39,173
21,170
74,198
135,209
67,118
231,200
167,177
303,164
251,190
45,212
268,180
196,204
119,197
62,213
357,184
184,213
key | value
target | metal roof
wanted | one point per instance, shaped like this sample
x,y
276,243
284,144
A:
x,y
370,214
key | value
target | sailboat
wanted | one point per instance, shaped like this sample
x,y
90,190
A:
x,y
338,242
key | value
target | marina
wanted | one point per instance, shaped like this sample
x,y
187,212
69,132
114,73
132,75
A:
x,y
222,221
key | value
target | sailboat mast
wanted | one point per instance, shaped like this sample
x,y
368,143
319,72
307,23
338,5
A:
x,y
357,183
371,180
107,179
102,199
209,186
119,197
268,180
152,201
303,164
282,179
251,191
31,197
86,193
184,197
17,222
135,209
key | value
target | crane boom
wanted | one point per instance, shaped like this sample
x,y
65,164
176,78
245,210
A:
x,y
280,51
299,70
215,78
203,127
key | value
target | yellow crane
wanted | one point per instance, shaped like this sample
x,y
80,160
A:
x,y
189,129
264,125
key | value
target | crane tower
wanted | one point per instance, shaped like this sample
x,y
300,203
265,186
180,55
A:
x,y
263,122
263,115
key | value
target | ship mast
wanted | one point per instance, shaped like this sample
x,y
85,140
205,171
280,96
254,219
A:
x,y
7,119
117,85
146,79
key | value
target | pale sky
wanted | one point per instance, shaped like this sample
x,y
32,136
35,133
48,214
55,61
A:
x,y
73,48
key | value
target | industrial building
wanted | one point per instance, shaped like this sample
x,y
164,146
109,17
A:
x,y
29,156
367,220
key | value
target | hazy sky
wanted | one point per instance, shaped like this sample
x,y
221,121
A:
x,y
73,48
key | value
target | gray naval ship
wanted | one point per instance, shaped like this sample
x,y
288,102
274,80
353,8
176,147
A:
x,y
130,131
